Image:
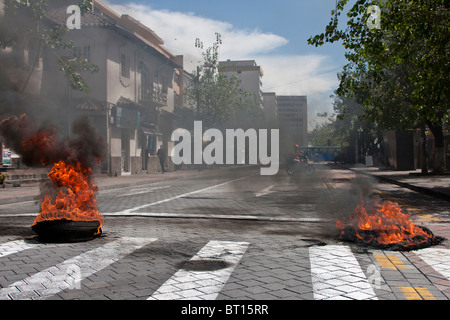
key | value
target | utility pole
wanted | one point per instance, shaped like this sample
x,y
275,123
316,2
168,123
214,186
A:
x,y
197,92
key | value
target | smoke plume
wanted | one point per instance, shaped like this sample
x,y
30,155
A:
x,y
41,145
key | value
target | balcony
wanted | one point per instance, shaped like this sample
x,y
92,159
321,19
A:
x,y
156,95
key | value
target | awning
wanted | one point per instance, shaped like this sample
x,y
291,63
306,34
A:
x,y
127,103
88,104
151,130
166,113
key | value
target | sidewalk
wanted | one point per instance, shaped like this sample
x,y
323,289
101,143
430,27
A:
x,y
30,191
434,185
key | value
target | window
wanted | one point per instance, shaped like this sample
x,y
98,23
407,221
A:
x,y
82,52
125,65
151,144
176,100
145,81
176,78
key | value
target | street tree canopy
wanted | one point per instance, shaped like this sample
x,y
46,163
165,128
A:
x,y
23,26
400,71
217,100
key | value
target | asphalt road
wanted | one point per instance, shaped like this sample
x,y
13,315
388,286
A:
x,y
241,194
231,235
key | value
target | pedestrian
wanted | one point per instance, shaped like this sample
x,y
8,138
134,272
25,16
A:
x,y
162,157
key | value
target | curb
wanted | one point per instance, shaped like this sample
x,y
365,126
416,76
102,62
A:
x,y
424,190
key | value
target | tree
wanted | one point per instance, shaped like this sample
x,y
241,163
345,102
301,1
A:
x,y
347,127
399,72
23,26
219,102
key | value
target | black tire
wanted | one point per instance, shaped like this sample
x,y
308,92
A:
x,y
60,231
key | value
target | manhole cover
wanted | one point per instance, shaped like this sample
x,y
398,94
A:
x,y
204,265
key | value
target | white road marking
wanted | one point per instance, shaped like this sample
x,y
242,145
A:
x,y
9,215
68,274
15,246
181,195
203,285
437,258
265,191
141,191
336,274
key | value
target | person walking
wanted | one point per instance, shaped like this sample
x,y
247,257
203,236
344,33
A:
x,y
162,157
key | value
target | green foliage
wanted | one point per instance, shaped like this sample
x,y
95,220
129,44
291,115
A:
x,y
72,67
23,27
400,72
218,101
85,6
403,65
325,134
2,178
348,128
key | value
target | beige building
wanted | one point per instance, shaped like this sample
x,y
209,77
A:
x,y
248,73
293,117
132,96
270,107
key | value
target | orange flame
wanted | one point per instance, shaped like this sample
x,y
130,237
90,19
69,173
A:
x,y
40,142
75,199
71,172
388,223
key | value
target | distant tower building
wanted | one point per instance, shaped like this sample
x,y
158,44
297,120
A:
x,y
248,73
292,115
270,106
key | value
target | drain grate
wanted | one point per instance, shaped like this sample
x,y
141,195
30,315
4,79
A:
x,y
204,265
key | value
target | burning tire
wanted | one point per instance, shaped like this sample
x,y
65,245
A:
x,y
385,226
67,230
369,238
68,208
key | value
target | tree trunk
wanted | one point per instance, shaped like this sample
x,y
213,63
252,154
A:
x,y
439,152
424,153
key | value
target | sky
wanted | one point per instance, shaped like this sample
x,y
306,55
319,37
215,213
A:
x,y
274,33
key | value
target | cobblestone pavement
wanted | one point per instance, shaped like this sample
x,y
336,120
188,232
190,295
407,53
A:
x,y
243,237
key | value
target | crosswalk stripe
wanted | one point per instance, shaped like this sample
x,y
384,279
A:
x,y
204,285
437,258
69,273
335,270
15,246
336,274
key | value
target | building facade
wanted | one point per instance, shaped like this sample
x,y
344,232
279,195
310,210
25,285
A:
x,y
248,73
270,107
293,117
132,96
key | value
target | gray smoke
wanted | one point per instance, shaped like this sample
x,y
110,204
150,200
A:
x,y
43,146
